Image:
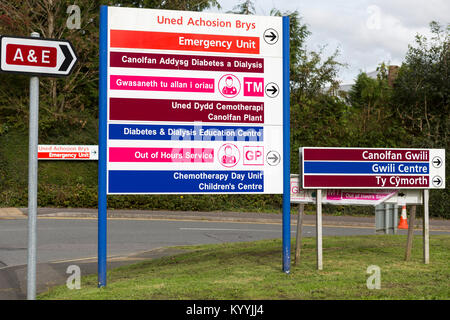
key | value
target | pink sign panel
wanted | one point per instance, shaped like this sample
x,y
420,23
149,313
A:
x,y
175,84
161,154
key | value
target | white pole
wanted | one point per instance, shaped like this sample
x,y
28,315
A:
x,y
32,183
426,221
319,229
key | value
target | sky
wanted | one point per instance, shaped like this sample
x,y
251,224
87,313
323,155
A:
x,y
366,32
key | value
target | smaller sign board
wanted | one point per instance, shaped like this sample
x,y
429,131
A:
x,y
36,56
354,197
373,168
67,152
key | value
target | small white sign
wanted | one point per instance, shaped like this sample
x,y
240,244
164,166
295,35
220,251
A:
x,y
35,56
354,197
67,152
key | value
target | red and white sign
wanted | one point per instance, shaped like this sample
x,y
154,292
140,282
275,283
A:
x,y
354,197
36,56
67,152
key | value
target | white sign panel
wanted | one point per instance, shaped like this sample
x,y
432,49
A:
x,y
194,102
44,57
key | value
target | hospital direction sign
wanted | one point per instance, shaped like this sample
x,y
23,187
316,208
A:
x,y
36,56
67,152
194,102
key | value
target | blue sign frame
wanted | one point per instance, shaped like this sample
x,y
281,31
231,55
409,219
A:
x,y
102,136
286,149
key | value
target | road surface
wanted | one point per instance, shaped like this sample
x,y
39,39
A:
x,y
65,239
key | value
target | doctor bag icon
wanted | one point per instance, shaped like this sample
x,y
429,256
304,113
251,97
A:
x,y
229,86
228,155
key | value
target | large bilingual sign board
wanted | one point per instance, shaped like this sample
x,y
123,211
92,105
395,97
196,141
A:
x,y
373,168
194,102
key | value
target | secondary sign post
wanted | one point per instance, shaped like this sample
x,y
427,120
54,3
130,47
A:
x,y
35,57
373,168
192,103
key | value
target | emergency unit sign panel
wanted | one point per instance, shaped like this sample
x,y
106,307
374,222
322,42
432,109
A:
x,y
194,102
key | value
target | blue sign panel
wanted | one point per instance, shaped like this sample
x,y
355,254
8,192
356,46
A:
x,y
136,181
185,132
366,167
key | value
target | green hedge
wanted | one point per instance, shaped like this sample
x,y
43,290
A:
x,y
74,184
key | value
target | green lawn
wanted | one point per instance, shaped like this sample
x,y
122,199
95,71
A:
x,y
252,270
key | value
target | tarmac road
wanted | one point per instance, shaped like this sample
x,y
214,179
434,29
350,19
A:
x,y
62,239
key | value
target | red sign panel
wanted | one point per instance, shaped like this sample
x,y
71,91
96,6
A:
x,y
133,109
184,41
24,55
67,152
343,154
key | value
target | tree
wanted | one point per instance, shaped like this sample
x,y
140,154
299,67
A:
x,y
245,7
72,102
371,97
188,5
421,94
421,99
310,72
69,102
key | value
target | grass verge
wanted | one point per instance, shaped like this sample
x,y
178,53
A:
x,y
252,270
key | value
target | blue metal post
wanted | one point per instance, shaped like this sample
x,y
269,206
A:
x,y
286,151
102,198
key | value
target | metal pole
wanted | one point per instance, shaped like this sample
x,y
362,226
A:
x,y
319,229
394,227
426,235
286,152
32,183
386,219
298,242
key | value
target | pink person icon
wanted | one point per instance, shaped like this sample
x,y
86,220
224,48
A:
x,y
228,155
229,86
228,158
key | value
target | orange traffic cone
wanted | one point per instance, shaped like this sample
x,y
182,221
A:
x,y
403,224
